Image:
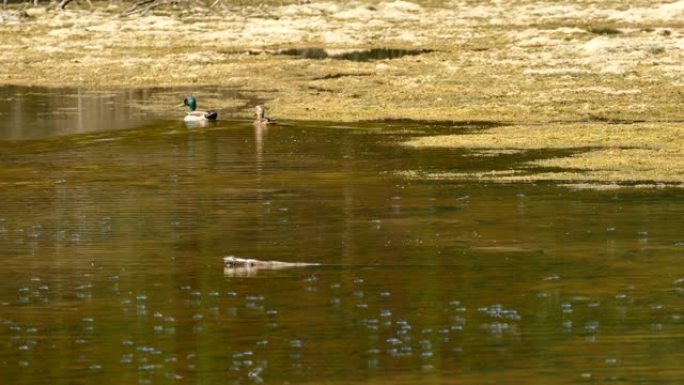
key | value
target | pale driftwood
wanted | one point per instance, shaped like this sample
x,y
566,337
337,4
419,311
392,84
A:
x,y
246,267
231,261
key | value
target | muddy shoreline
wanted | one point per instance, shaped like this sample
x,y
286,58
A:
x,y
527,63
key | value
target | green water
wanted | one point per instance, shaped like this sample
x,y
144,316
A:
x,y
111,243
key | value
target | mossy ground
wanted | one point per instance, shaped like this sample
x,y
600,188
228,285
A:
x,y
529,62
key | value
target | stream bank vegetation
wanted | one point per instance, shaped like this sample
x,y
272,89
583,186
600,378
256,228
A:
x,y
602,77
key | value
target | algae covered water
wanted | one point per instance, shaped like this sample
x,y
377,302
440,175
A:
x,y
111,242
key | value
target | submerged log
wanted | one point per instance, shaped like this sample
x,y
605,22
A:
x,y
231,261
246,267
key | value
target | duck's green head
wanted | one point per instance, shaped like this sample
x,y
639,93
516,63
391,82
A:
x,y
191,103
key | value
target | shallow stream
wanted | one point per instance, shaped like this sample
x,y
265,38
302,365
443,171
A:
x,y
114,222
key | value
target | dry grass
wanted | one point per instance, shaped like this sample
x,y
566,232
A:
x,y
613,154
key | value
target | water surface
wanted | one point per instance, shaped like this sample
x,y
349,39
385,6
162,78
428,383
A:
x,y
112,242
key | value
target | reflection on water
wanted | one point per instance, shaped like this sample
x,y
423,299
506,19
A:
x,y
33,113
41,112
112,247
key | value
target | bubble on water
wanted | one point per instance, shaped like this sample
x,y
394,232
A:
x,y
262,342
95,367
198,317
254,375
146,349
296,343
126,358
497,327
362,305
385,313
498,311
311,278
592,326
385,294
23,364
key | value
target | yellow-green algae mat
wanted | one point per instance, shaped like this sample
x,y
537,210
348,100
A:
x,y
609,155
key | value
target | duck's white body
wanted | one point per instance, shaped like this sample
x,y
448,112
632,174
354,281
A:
x,y
200,116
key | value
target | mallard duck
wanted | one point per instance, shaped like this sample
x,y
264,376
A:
x,y
195,115
261,119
